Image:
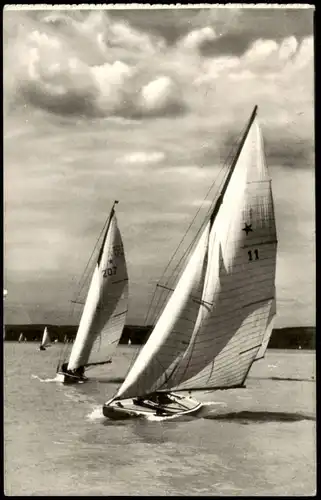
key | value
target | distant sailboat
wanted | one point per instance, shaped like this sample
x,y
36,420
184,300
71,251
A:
x,y
105,309
21,338
5,293
219,316
45,340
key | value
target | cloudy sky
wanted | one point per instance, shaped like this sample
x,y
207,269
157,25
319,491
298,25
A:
x,y
142,105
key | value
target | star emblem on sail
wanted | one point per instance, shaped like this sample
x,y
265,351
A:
x,y
247,228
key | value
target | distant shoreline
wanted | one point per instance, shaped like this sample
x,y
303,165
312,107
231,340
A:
x,y
301,337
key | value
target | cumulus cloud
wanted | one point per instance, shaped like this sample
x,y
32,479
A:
x,y
97,64
71,66
239,28
195,38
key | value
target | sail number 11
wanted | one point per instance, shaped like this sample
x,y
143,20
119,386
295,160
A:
x,y
253,255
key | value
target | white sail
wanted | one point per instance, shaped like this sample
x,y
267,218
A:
x,y
233,272
240,279
104,313
173,329
5,293
21,337
45,338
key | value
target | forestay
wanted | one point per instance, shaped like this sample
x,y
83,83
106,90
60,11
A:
x,y
104,313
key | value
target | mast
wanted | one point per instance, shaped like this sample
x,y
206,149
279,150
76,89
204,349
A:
x,y
219,201
106,232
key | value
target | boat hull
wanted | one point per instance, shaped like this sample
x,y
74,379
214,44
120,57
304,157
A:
x,y
67,379
126,409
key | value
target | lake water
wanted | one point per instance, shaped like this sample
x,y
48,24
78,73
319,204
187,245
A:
x,y
254,441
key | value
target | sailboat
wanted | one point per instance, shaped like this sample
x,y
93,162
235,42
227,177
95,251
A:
x,y
45,340
217,320
21,337
104,312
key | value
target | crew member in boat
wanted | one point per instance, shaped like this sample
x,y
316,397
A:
x,y
79,372
64,367
163,399
160,398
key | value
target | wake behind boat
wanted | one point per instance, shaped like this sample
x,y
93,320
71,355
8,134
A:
x,y
104,312
218,318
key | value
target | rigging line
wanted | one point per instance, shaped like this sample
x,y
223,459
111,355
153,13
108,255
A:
x,y
104,230
90,258
83,279
226,163
186,253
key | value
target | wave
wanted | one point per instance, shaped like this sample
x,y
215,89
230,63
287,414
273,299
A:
x,y
286,379
45,379
96,414
261,416
113,380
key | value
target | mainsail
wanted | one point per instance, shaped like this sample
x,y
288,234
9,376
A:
x,y
105,309
223,305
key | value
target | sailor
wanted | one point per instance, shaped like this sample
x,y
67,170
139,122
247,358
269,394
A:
x,y
64,367
80,371
163,399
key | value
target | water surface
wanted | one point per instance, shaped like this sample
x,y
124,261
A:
x,y
254,441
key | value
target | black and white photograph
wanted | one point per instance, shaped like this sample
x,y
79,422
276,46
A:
x,y
159,250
